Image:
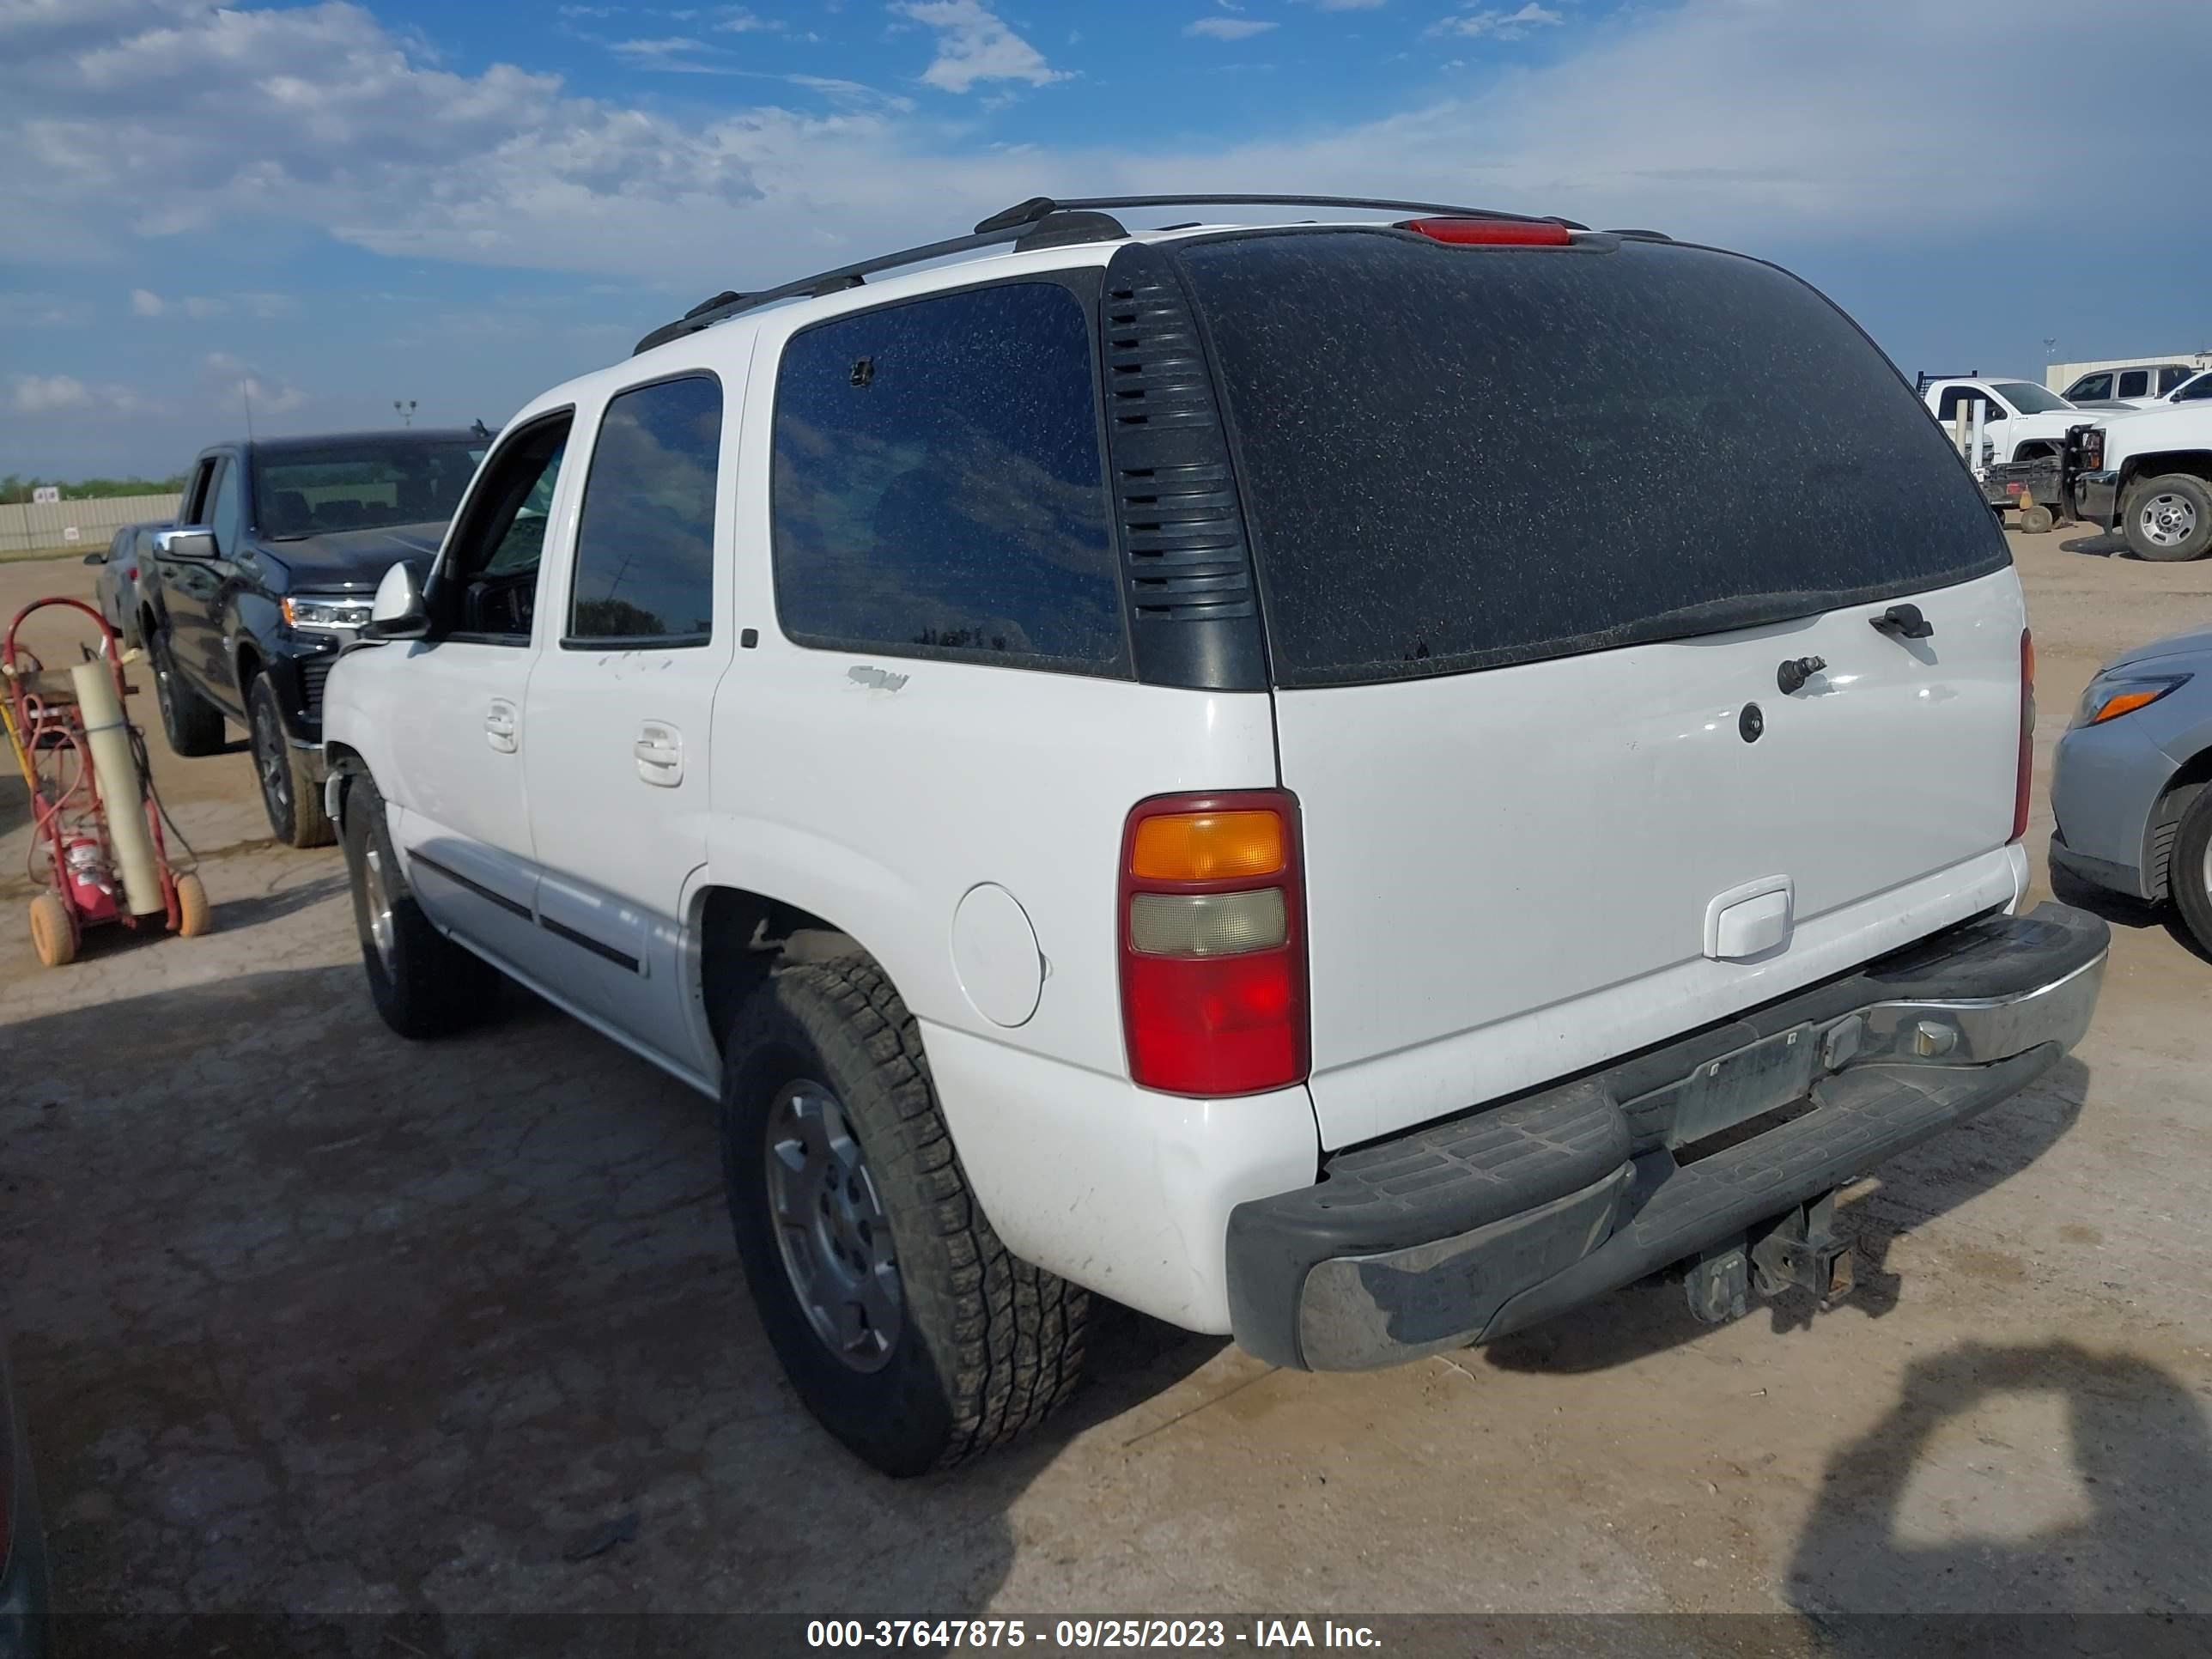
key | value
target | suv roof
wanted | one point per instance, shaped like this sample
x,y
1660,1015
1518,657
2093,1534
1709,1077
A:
x,y
1042,222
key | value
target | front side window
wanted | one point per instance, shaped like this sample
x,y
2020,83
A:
x,y
938,490
224,518
2090,386
487,588
2195,390
2029,399
645,540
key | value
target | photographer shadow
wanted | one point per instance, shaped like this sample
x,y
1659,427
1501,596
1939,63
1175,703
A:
x,y
1990,1547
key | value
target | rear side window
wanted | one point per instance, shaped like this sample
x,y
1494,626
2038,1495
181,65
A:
x,y
2135,383
1956,397
938,490
1458,457
645,540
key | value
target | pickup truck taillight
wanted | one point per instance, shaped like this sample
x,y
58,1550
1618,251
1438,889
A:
x,y
1213,938
2026,769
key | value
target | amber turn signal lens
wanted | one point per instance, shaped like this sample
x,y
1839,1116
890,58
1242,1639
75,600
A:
x,y
1207,847
2126,704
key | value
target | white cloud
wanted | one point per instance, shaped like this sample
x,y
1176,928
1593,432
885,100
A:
x,y
1347,5
973,44
28,308
172,117
228,375
1227,28
43,396
670,48
1501,24
198,307
736,20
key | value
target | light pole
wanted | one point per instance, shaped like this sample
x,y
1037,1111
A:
x,y
405,409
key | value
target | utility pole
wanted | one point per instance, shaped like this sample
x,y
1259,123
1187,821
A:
x,y
246,397
405,409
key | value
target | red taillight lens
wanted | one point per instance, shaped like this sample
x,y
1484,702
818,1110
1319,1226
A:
x,y
1490,233
1214,953
2027,735
130,575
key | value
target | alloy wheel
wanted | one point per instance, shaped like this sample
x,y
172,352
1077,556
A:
x,y
831,1227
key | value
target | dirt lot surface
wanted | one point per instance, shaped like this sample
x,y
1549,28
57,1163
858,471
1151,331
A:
x,y
311,1323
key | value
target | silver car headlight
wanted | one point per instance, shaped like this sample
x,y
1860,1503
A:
x,y
2111,695
331,615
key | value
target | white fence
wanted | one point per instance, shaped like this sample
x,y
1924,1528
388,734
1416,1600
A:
x,y
80,525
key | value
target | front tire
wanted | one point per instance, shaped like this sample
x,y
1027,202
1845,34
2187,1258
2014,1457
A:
x,y
918,1350
193,725
290,793
2169,518
2189,877
422,983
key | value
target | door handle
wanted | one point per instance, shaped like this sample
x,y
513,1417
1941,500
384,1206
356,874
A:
x,y
500,726
658,752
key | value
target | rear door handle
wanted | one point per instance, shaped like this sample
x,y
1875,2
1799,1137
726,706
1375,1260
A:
x,y
500,723
659,751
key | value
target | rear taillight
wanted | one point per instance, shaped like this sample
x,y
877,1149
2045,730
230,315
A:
x,y
131,575
1213,951
1490,233
2027,735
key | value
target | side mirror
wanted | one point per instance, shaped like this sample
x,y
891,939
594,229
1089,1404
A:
x,y
397,612
197,543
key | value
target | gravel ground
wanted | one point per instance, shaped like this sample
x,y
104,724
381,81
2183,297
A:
x,y
319,1329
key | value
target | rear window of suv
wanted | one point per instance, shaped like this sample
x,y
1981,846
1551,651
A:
x,y
1454,459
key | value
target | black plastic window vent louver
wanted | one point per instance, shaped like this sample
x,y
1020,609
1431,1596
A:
x,y
1181,524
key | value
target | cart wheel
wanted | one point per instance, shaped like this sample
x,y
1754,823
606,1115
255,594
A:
x,y
2035,520
54,931
193,915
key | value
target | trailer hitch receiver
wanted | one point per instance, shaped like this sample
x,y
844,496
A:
x,y
1802,1248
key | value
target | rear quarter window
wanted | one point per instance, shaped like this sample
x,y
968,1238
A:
x,y
938,490
1457,457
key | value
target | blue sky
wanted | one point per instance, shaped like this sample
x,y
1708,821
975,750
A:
x,y
339,205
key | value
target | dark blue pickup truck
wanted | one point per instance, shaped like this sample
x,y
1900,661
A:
x,y
280,545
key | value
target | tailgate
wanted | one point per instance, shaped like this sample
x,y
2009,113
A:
x,y
1516,873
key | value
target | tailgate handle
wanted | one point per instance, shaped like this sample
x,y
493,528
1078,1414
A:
x,y
1902,622
1749,921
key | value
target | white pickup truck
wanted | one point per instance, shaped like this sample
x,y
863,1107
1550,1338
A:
x,y
2023,421
2149,476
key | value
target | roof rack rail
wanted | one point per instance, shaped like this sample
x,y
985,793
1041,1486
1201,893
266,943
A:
x,y
1038,206
1043,231
1040,222
1923,380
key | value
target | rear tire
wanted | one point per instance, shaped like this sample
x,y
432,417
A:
x,y
422,983
54,931
291,794
972,1347
193,725
2189,877
2169,518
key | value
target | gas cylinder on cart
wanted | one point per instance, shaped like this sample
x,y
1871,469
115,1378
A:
x,y
91,883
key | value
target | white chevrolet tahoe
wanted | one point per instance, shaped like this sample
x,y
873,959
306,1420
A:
x,y
2149,476
1337,783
